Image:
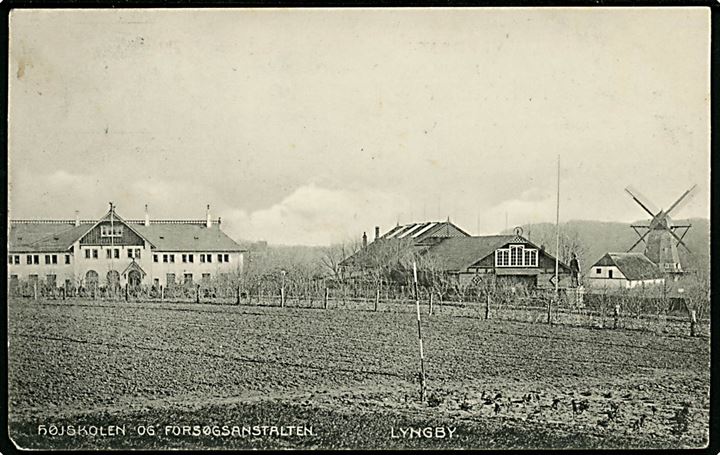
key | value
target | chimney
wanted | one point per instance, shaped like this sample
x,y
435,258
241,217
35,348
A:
x,y
364,240
147,216
77,217
208,221
377,232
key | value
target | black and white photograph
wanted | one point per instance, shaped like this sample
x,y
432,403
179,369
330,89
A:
x,y
358,228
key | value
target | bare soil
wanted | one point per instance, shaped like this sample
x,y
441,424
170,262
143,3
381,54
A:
x,y
351,375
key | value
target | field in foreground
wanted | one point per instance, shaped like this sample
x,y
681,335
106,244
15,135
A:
x,y
348,377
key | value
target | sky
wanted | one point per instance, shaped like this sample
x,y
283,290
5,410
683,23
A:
x,y
312,126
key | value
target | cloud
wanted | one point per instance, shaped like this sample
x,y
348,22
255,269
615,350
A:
x,y
314,215
532,206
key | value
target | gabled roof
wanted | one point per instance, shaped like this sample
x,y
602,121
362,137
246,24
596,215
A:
x,y
635,266
420,231
163,235
459,253
44,236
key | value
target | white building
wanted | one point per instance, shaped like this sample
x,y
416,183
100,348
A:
x,y
624,270
115,251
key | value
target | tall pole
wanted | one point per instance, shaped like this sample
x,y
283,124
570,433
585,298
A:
x,y
112,244
422,355
557,239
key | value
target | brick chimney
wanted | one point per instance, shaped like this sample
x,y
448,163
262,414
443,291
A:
x,y
77,217
377,232
147,216
364,240
208,221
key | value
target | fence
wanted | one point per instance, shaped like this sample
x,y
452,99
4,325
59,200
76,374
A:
x,y
630,312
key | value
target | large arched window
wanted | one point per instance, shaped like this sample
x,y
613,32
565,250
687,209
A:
x,y
91,279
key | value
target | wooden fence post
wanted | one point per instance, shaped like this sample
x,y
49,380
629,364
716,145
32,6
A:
x,y
162,293
238,295
487,306
282,297
35,292
616,316
326,298
64,291
377,298
430,304
197,293
549,310
693,322
126,292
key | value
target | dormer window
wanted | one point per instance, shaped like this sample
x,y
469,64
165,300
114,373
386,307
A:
x,y
516,256
111,231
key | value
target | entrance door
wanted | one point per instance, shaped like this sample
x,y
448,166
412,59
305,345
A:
x,y
134,278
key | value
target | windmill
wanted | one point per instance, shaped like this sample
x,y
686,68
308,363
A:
x,y
661,240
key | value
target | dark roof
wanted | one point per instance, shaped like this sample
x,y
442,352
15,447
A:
x,y
181,235
47,236
419,231
635,266
459,253
187,237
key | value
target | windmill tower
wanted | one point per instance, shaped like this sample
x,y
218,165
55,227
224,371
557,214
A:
x,y
661,240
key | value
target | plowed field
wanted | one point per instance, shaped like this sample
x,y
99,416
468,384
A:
x,y
350,375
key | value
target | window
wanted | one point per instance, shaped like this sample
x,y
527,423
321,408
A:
x,y
36,259
10,259
184,257
172,258
29,259
111,231
530,257
67,258
206,277
188,278
220,257
516,256
47,259
208,257
227,258
165,257
95,253
54,258
502,258
33,279
170,279
117,253
155,258
87,254
50,280
202,258
17,259
137,253
109,254
598,271
130,253
191,257
610,274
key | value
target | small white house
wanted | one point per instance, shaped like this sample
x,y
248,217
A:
x,y
624,270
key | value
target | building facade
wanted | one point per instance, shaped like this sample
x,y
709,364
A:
x,y
443,247
625,271
112,251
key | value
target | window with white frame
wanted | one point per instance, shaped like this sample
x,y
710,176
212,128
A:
x,y
111,231
516,256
